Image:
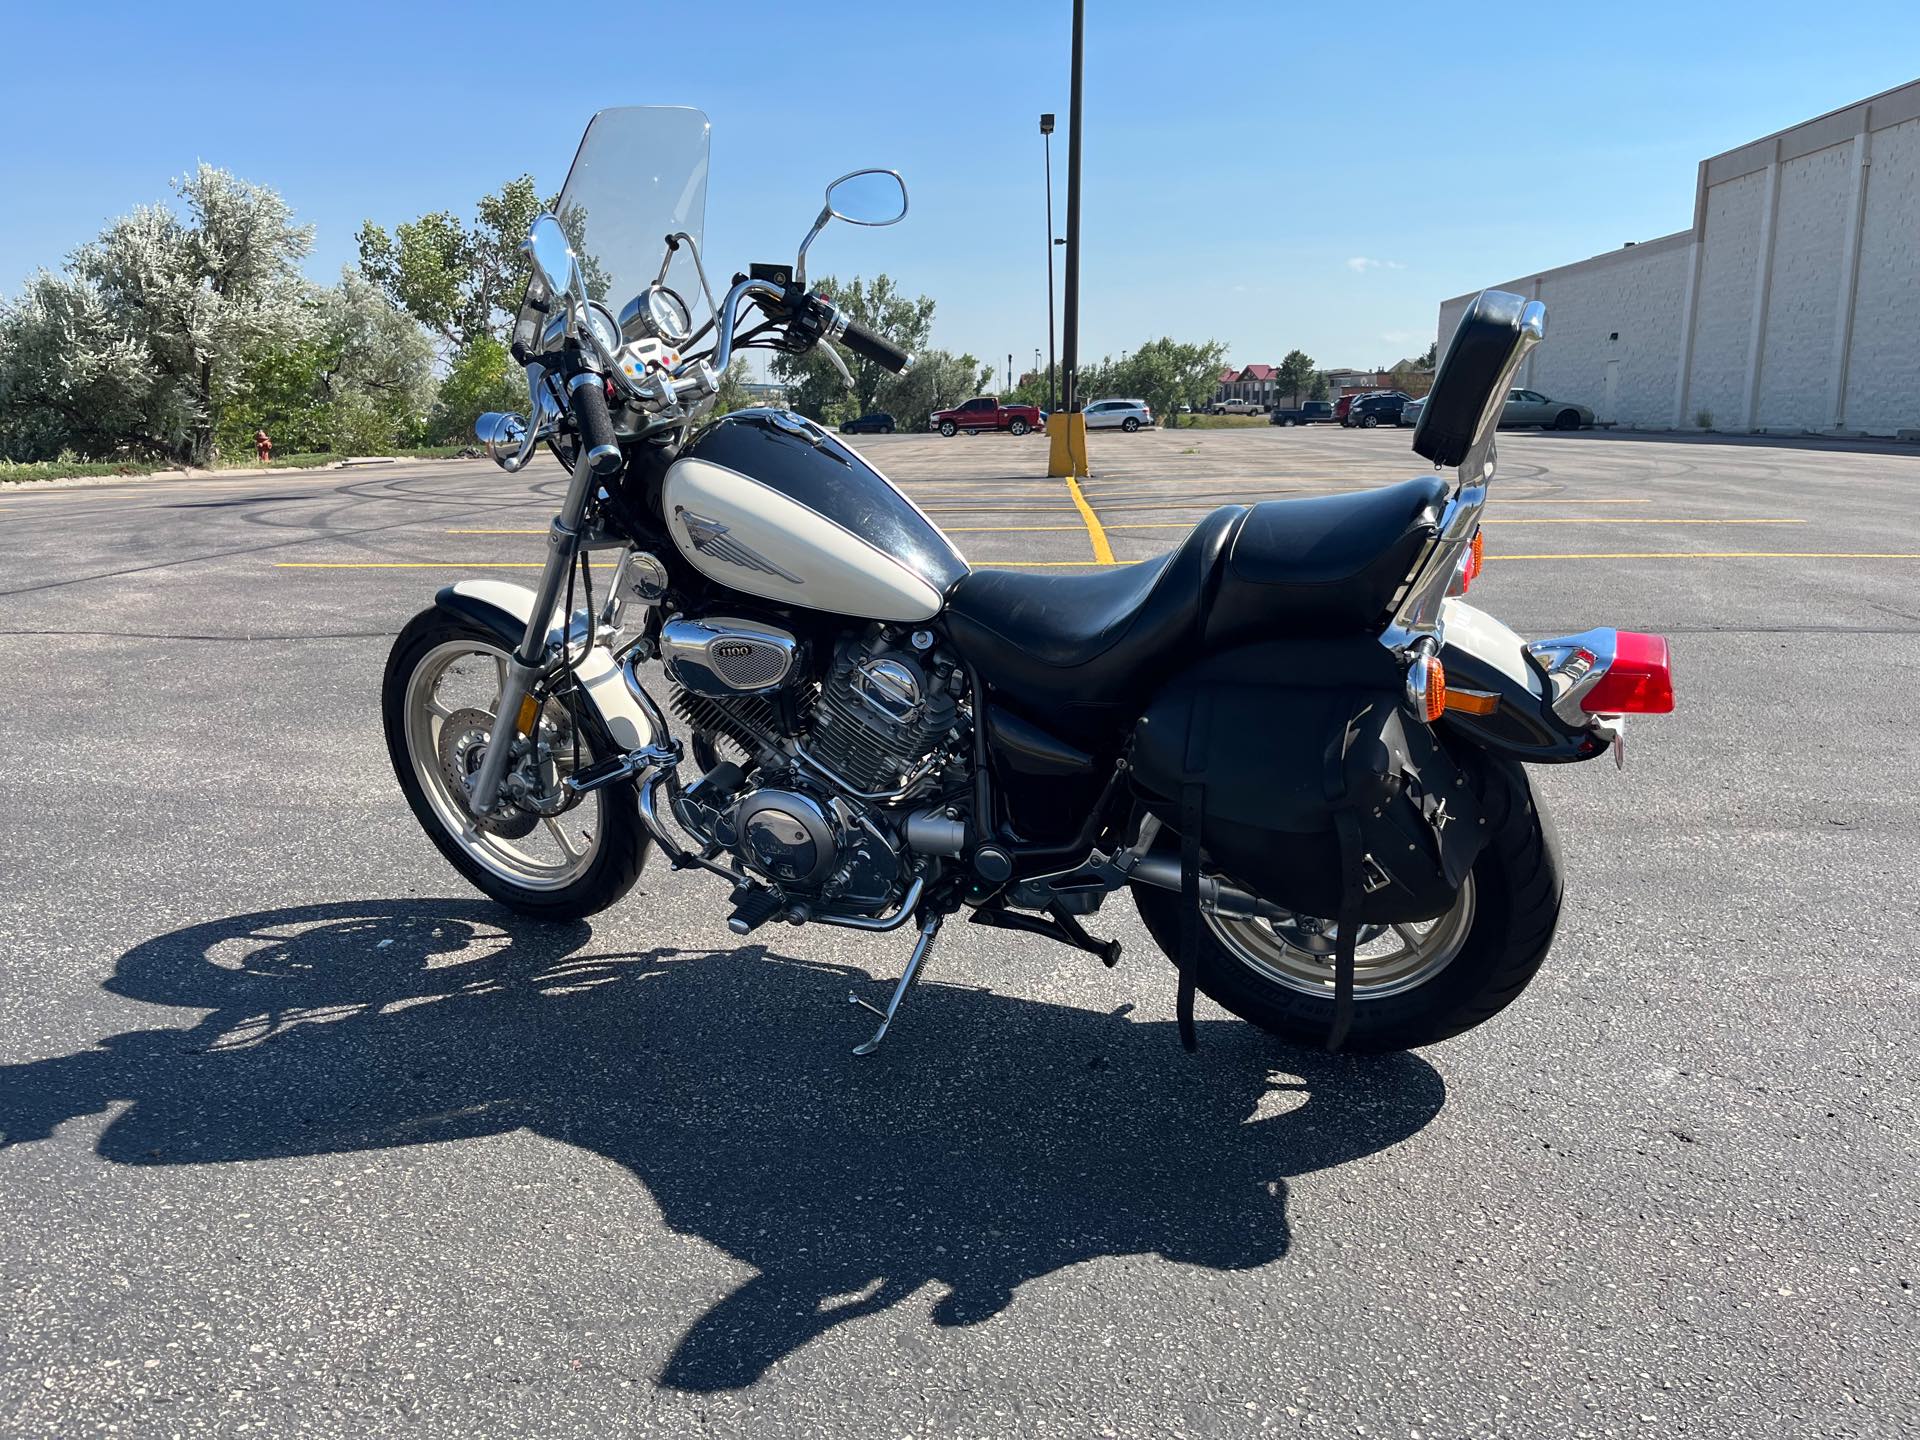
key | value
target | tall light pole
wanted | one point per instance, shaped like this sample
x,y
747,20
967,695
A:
x,y
1046,139
1071,318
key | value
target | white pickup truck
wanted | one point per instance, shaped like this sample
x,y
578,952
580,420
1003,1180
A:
x,y
1234,407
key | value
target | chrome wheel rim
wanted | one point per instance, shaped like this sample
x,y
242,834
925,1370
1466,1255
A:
x,y
1388,959
457,684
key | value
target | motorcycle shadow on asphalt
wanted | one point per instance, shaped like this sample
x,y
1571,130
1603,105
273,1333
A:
x,y
993,1141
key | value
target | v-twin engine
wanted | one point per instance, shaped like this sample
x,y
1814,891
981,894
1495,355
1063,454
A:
x,y
828,792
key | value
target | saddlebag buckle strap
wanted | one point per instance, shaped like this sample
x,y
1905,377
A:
x,y
1192,802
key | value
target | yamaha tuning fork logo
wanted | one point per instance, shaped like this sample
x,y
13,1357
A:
x,y
710,537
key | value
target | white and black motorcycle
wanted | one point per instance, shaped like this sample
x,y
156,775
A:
x,y
1289,738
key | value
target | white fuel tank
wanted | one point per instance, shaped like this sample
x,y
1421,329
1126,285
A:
x,y
767,503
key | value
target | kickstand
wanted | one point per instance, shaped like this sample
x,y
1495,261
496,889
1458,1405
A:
x,y
922,948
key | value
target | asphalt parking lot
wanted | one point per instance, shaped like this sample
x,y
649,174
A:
x,y
300,1136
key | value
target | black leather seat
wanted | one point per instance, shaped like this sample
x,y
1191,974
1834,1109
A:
x,y
1077,648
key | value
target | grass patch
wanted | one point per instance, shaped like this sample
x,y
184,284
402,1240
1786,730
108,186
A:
x,y
12,472
1222,422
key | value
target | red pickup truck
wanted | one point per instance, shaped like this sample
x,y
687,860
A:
x,y
987,413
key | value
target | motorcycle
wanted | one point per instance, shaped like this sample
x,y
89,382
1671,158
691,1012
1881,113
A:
x,y
1291,738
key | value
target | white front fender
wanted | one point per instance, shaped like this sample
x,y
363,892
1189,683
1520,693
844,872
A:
x,y
504,608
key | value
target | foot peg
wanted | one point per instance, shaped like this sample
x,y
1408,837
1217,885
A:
x,y
753,906
923,947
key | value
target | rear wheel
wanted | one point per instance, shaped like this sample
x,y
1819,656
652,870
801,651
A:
x,y
438,700
1370,422
1413,984
887,429
949,429
1286,424
1018,427
1567,420
1130,424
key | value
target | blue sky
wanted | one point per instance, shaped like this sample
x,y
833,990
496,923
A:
x,y
1269,176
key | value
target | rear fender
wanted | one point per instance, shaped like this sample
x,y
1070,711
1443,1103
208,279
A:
x,y
502,610
1483,655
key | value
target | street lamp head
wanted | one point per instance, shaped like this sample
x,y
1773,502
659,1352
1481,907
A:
x,y
1046,124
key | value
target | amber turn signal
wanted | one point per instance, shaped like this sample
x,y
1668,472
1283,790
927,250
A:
x,y
1435,688
1472,702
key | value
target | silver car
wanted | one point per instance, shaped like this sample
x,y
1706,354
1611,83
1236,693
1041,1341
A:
x,y
1128,415
1530,407
1410,412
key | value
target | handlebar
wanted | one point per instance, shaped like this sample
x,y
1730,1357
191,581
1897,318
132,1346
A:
x,y
587,398
881,351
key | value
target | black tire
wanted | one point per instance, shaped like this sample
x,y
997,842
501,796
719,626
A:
x,y
1518,888
1286,424
949,429
886,429
1369,422
1130,424
1018,426
623,840
1567,420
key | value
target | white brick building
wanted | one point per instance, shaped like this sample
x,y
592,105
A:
x,y
1792,303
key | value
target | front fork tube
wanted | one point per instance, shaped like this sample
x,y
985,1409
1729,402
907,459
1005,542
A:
x,y
530,660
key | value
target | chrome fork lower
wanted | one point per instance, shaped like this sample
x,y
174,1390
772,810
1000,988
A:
x,y
563,545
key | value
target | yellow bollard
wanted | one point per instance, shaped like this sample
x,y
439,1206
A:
x,y
1067,445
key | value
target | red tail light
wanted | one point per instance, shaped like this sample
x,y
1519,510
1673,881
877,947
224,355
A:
x,y
1639,682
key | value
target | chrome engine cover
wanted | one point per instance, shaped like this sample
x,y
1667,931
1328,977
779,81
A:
x,y
720,655
787,837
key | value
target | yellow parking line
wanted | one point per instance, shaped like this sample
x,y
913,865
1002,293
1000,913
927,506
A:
x,y
1722,555
1102,551
495,532
408,564
1049,564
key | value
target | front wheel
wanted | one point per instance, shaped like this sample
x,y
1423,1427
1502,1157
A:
x,y
949,429
1413,984
438,700
1130,425
1567,420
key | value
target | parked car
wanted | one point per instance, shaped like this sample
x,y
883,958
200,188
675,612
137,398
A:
x,y
1128,415
1530,407
984,412
1235,407
1314,412
1380,408
1342,405
1410,412
878,423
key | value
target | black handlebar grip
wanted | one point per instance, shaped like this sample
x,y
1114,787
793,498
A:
x,y
882,352
588,397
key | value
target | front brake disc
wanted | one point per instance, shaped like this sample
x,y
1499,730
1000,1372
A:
x,y
463,744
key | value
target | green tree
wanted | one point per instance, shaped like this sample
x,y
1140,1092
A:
x,y
1166,373
1321,389
359,380
481,377
177,303
733,394
461,281
1296,375
814,386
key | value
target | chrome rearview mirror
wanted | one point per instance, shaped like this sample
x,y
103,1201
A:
x,y
868,197
546,245
504,437
865,197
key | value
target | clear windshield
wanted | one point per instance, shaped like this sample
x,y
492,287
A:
x,y
640,176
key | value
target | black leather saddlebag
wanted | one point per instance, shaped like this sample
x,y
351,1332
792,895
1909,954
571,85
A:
x,y
1314,784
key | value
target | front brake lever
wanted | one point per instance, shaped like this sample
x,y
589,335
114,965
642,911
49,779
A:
x,y
838,363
